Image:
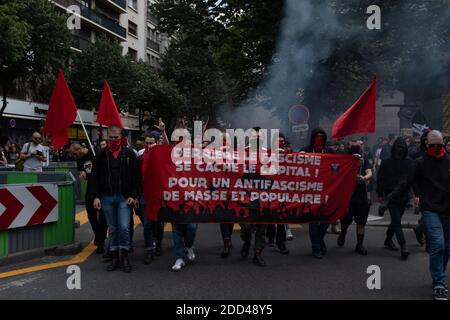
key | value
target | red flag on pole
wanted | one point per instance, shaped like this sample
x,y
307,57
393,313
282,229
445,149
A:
x,y
108,114
61,114
360,117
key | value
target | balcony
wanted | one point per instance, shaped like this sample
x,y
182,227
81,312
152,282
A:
x,y
153,45
120,5
99,21
152,19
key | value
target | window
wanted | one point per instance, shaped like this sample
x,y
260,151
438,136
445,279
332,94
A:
x,y
132,53
133,4
132,28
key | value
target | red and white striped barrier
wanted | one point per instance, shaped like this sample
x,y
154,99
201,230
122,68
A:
x,y
22,206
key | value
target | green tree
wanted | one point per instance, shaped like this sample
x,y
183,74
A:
x,y
135,85
34,44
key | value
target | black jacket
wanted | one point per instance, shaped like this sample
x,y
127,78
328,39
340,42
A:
x,y
430,178
393,170
310,148
130,174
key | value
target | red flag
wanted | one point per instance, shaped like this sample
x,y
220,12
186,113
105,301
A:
x,y
108,114
360,117
61,114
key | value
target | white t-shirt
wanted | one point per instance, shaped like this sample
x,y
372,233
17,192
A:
x,y
32,164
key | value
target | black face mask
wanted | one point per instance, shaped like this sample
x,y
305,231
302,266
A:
x,y
354,149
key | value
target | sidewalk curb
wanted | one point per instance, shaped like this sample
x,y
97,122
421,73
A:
x,y
24,256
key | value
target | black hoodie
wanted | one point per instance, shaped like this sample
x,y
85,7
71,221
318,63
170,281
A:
x,y
394,169
314,133
431,181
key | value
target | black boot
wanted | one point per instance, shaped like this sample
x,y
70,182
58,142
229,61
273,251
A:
x,y
158,251
404,251
282,248
149,256
419,235
115,263
124,261
389,244
359,246
341,238
258,260
245,250
226,249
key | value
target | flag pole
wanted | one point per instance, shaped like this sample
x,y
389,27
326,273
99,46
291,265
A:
x,y
87,135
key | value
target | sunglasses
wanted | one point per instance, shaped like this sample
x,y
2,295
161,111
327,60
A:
x,y
37,138
435,145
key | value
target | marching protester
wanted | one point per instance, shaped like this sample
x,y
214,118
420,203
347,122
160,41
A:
x,y
115,181
254,208
317,230
391,171
431,181
359,205
33,154
85,158
277,233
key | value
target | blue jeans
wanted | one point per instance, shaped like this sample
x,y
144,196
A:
x,y
317,232
183,237
437,229
117,213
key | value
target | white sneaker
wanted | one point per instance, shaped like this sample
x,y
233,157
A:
x,y
179,264
190,254
289,235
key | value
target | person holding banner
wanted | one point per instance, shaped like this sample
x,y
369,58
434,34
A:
x,y
277,232
317,231
254,208
359,203
115,185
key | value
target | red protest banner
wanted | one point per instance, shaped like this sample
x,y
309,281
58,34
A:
x,y
297,188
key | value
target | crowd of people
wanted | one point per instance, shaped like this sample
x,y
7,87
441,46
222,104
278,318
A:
x,y
399,172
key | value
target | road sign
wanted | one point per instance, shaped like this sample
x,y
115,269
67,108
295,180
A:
x,y
28,205
300,128
298,114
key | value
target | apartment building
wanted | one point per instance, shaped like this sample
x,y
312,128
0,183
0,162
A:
x,y
128,22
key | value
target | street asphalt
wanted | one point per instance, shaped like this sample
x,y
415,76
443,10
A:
x,y
342,274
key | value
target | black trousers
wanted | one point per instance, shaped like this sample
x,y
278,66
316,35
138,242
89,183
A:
x,y
226,229
98,222
395,227
276,232
260,234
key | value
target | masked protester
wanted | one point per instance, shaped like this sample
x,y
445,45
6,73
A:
x,y
276,233
391,171
430,179
359,203
317,231
115,182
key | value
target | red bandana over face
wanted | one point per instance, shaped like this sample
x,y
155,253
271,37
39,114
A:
x,y
436,152
318,143
115,146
